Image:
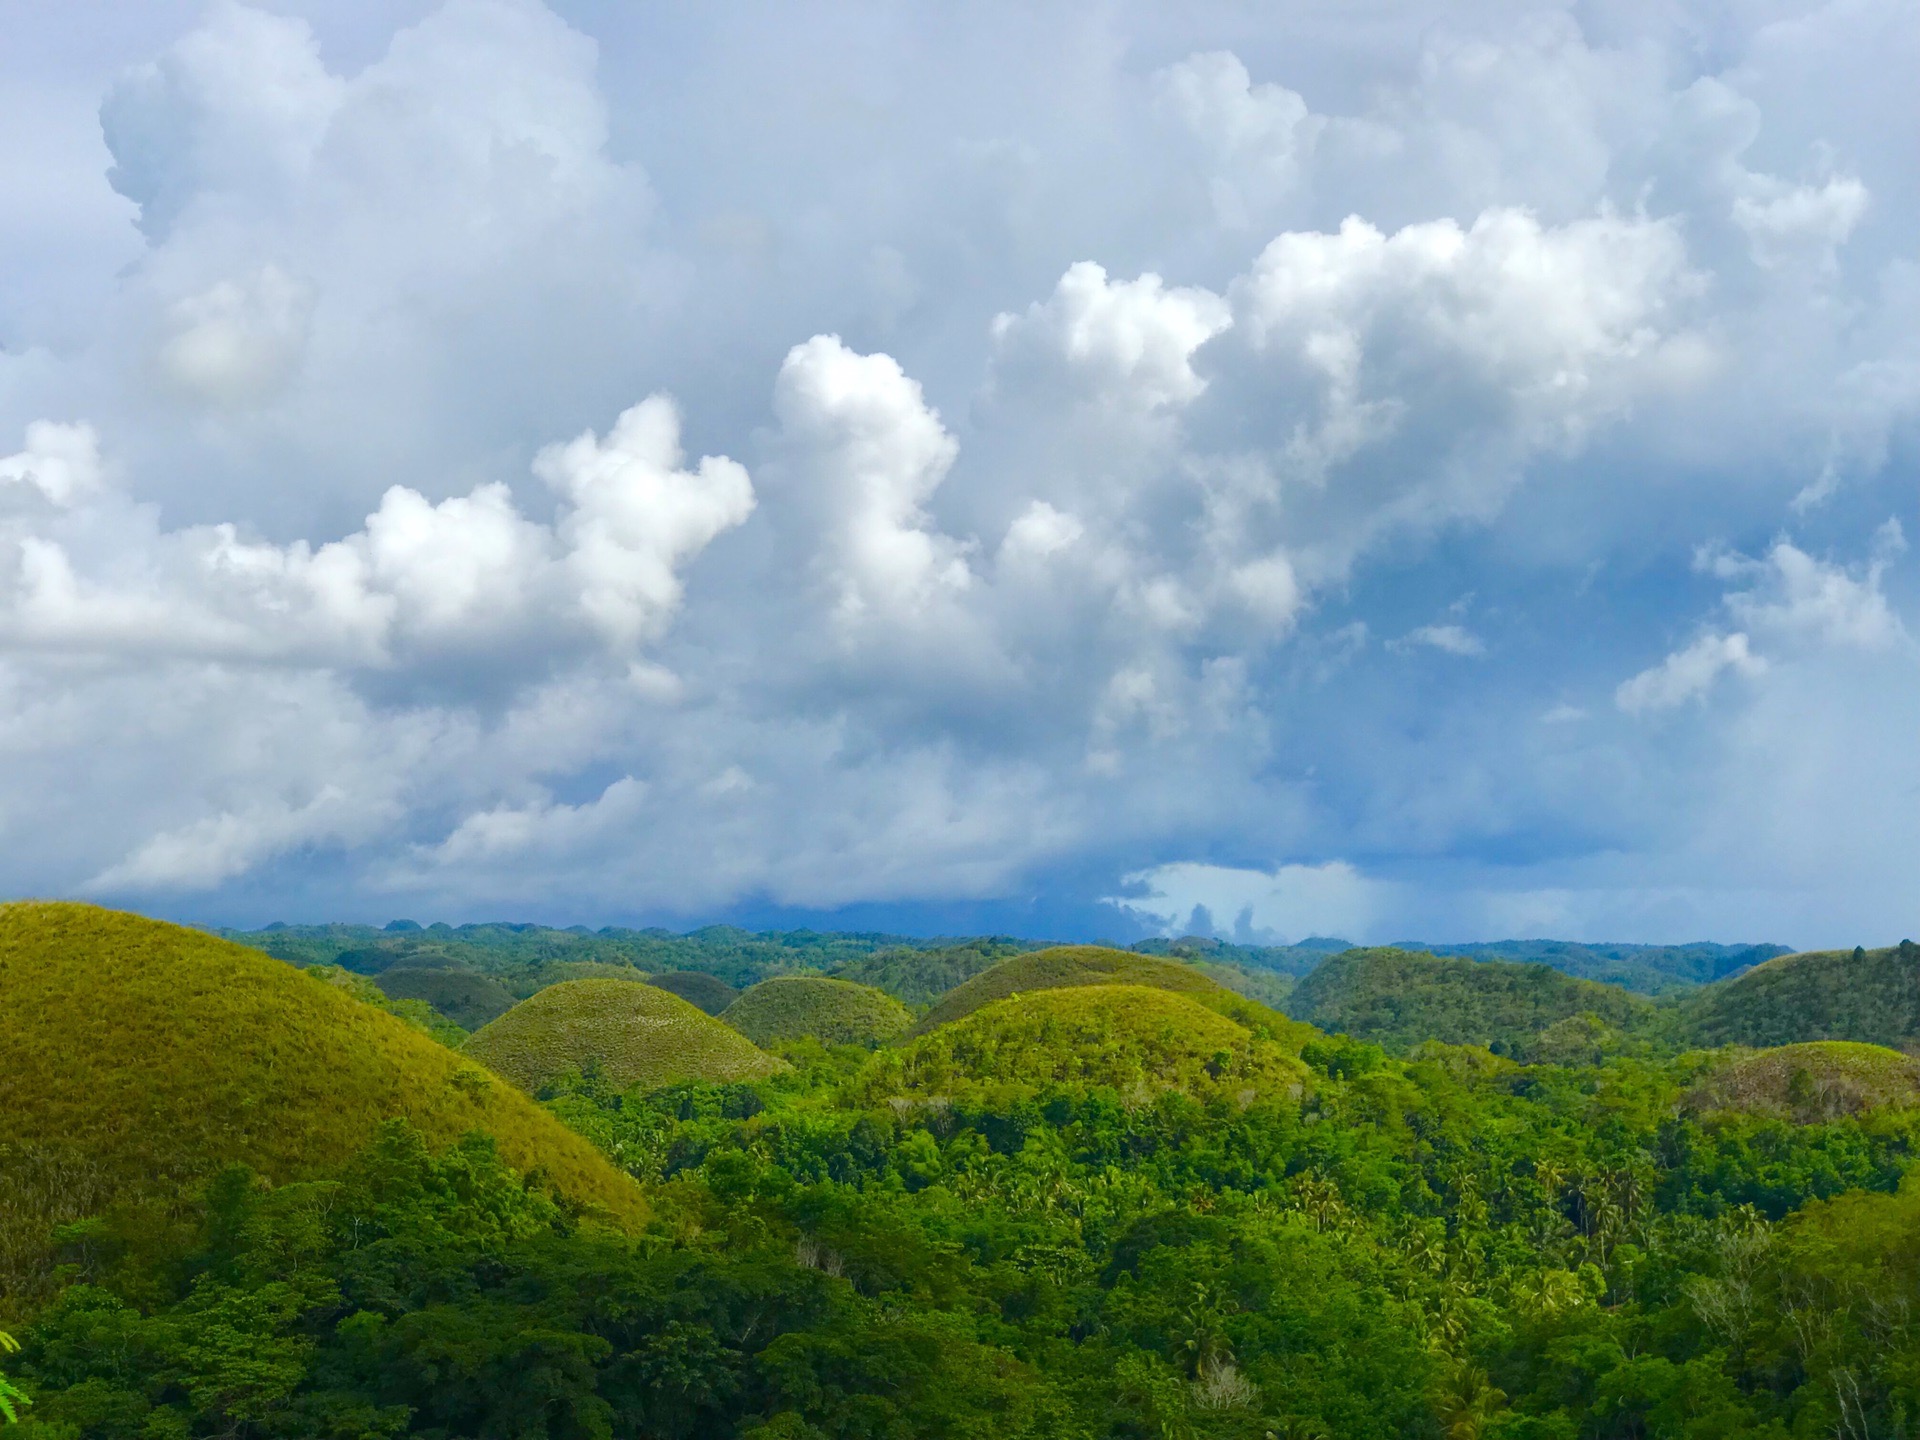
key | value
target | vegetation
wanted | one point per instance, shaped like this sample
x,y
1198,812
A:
x,y
703,992
1866,995
138,1058
919,977
1398,998
1063,965
633,1035
1813,1082
417,1013
835,1012
468,1000
1645,969
1079,1211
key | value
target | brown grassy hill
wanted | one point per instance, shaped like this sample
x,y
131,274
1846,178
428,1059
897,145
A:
x,y
137,1058
1820,1080
1062,967
635,1035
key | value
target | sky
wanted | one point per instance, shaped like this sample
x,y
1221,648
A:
x,y
1390,469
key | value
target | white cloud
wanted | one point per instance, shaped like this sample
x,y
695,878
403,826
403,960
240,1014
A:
x,y
238,340
1452,639
1688,674
1280,906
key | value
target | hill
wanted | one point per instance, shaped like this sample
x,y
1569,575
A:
x,y
1062,966
1138,1039
1866,995
1644,969
634,1035
1398,998
138,1058
837,1012
1818,1081
920,977
468,1000
704,992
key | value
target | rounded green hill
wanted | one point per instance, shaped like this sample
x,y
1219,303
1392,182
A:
x,y
1819,1080
1138,1039
467,999
837,1012
1059,968
707,992
635,1035
138,1058
1866,995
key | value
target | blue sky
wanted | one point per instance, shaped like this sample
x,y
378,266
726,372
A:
x,y
1390,469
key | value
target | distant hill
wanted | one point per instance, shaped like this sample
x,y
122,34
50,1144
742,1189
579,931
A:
x,y
1865,995
836,1012
1062,966
1819,1081
1294,960
468,1000
634,1035
1645,969
1139,1039
1398,998
920,977
704,992
138,1058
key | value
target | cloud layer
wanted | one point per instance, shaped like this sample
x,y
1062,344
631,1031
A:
x,y
1276,475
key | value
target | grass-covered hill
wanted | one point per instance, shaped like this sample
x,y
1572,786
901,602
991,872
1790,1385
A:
x,y
468,1000
1815,1082
631,1035
1138,1039
1060,967
919,977
1866,995
1399,998
704,992
138,1058
836,1012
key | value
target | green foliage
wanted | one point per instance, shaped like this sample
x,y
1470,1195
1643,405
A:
x,y
12,1397
1821,1080
1061,966
703,992
1399,998
1644,969
1871,996
468,1000
634,1035
137,1058
417,1013
835,1012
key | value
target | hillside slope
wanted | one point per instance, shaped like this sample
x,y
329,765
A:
x,y
837,1012
1062,966
138,1058
635,1035
1811,1083
468,1000
1871,996
1399,998
707,993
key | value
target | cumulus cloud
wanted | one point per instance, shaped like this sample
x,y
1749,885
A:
x,y
1688,674
1281,906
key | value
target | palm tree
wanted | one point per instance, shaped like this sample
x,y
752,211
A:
x,y
11,1396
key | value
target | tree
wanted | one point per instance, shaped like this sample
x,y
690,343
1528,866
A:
x,y
12,1397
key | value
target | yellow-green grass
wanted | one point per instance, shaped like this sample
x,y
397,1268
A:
x,y
633,1035
1819,1080
708,992
138,1058
1138,1039
467,999
836,1012
1059,968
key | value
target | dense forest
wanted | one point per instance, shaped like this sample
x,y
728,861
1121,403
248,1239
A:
x,y
1069,1193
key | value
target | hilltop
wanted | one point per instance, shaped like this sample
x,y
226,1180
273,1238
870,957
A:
x,y
632,1035
1061,966
1866,995
1644,969
1138,1039
704,992
138,1058
1399,998
468,1000
835,1012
